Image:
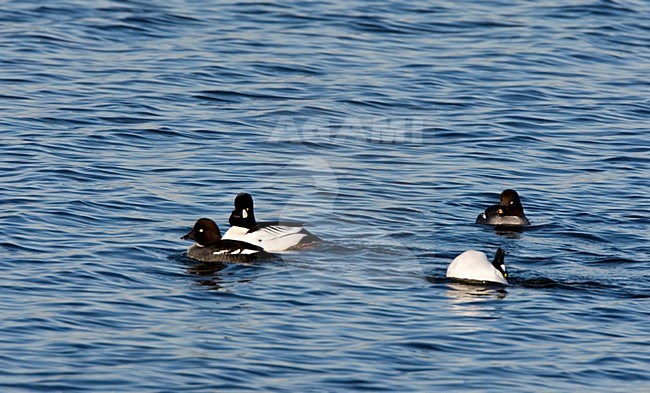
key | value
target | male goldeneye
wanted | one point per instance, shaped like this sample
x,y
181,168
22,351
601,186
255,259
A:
x,y
508,212
272,236
474,265
210,247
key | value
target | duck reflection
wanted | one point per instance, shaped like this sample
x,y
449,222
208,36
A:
x,y
206,268
509,232
211,272
475,301
462,292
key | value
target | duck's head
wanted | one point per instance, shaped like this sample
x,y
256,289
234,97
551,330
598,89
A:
x,y
499,263
205,232
243,215
510,204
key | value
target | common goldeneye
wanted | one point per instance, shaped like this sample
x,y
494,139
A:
x,y
509,212
474,266
272,236
210,247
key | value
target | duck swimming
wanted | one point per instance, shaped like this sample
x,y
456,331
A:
x,y
210,247
509,211
273,236
474,265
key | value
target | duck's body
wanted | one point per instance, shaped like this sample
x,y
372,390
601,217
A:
x,y
500,220
509,211
474,265
272,236
210,247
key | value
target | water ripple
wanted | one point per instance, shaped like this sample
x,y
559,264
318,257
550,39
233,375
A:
x,y
387,129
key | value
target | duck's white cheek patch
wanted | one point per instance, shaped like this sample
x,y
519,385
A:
x,y
244,213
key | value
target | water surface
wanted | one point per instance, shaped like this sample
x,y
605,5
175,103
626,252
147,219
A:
x,y
387,127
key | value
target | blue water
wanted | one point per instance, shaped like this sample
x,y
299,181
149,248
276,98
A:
x,y
388,127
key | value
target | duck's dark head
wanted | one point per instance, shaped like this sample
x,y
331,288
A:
x,y
205,232
510,204
499,262
243,215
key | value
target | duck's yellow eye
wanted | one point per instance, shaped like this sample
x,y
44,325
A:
x,y
500,211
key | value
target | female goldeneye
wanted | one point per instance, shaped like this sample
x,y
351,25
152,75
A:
x,y
210,247
272,236
474,266
508,212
